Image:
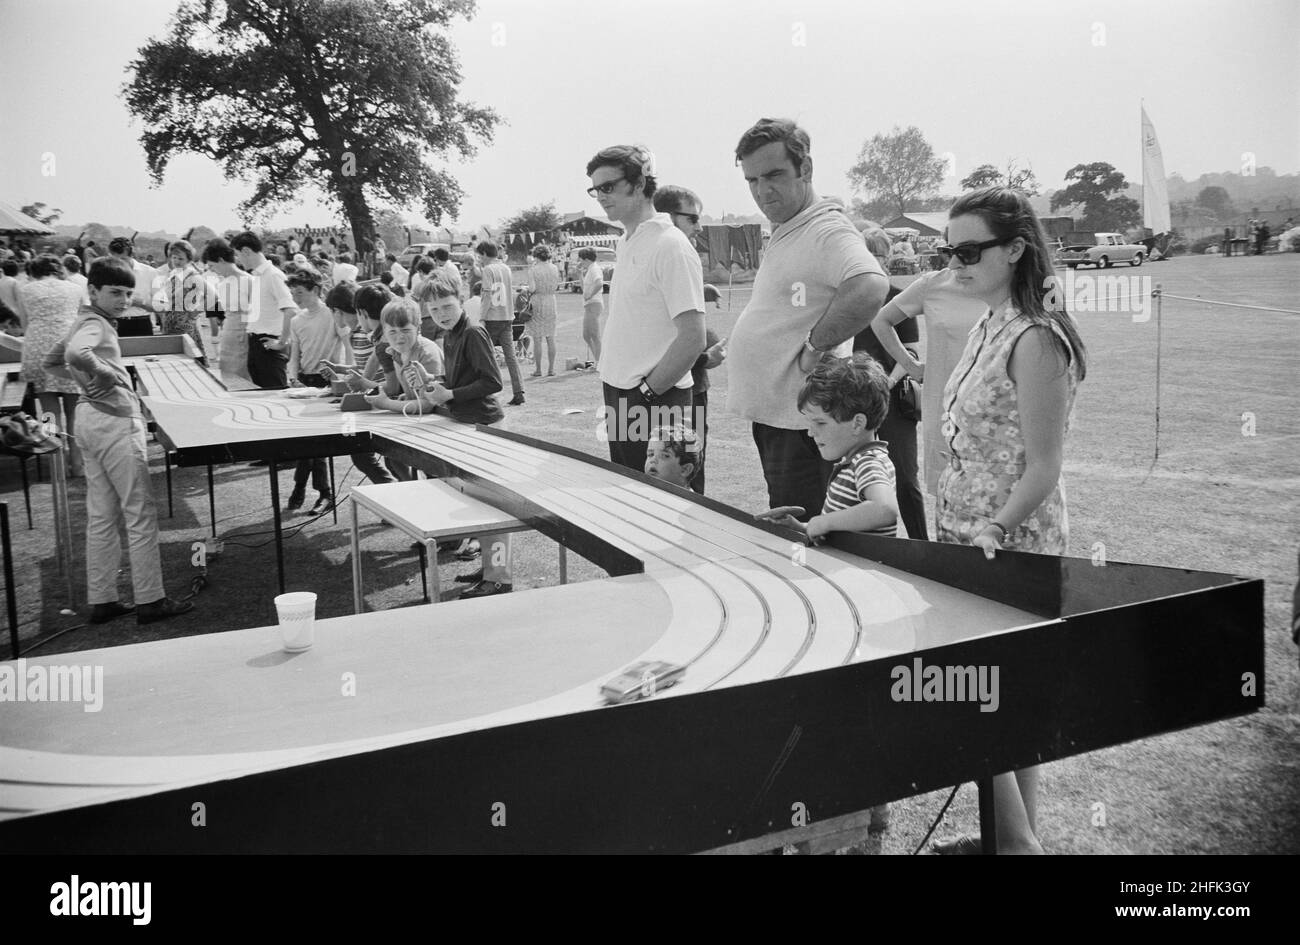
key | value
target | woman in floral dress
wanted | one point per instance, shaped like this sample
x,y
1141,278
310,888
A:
x,y
184,295
544,280
47,306
1007,409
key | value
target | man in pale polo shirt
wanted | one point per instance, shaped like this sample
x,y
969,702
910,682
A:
x,y
817,287
655,329
272,312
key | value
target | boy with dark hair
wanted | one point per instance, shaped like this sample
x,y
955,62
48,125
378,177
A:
x,y
273,312
844,402
655,328
673,455
314,341
110,426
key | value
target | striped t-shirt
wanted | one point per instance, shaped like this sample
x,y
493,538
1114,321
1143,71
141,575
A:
x,y
867,466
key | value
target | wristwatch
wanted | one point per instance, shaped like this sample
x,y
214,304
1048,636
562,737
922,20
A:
x,y
647,390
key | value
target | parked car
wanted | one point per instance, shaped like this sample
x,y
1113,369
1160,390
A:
x,y
413,252
604,259
1099,249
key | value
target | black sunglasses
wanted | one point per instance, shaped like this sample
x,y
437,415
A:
x,y
693,217
605,188
969,253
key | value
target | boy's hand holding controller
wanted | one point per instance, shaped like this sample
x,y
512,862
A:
x,y
358,382
783,515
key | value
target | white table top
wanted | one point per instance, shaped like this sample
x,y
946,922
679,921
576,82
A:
x,y
433,508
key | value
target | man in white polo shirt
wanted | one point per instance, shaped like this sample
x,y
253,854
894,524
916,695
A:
x,y
268,322
655,329
818,286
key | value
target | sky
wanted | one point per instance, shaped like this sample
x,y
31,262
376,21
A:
x,y
1050,84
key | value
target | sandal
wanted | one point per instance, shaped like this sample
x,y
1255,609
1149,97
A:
x,y
968,844
469,551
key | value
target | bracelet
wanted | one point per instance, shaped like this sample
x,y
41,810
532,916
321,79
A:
x,y
1000,527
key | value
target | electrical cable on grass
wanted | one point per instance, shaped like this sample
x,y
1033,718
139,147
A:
x,y
938,818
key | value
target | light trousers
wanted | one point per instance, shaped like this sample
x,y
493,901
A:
x,y
118,492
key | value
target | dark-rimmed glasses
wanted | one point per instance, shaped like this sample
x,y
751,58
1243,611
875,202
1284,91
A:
x,y
969,253
605,188
693,217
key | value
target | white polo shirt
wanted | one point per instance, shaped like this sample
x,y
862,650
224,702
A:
x,y
271,295
657,276
807,259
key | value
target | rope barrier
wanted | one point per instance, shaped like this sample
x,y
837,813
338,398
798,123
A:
x,y
1258,308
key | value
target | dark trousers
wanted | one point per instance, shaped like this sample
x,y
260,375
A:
x,y
267,369
900,434
372,467
630,419
502,335
320,477
134,326
795,472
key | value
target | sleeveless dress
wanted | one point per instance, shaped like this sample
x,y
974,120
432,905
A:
x,y
981,425
545,280
52,305
185,292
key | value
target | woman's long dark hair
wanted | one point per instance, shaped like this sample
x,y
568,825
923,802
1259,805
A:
x,y
1007,214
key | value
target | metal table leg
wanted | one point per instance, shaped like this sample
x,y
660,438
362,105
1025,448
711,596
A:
x,y
274,470
431,552
988,817
356,560
564,565
212,501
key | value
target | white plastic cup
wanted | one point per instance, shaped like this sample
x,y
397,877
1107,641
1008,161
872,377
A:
x,y
297,612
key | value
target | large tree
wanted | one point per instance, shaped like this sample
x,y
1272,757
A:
x,y
988,175
1097,189
358,97
900,166
541,218
1217,201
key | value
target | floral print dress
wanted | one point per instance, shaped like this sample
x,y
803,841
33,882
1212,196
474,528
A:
x,y
981,425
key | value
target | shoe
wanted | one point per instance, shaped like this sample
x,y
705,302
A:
x,y
161,610
536,374
516,401
103,613
487,589
470,551
550,373
967,844
296,499
324,504
474,577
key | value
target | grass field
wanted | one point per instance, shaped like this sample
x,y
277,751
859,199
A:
x,y
1223,496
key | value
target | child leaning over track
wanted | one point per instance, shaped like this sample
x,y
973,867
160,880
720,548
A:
x,y
409,361
673,455
468,395
845,401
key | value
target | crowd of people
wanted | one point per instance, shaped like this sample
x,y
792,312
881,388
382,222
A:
x,y
823,363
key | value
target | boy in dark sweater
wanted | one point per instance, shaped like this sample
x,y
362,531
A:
x,y
468,394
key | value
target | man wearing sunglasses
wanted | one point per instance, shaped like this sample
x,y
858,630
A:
x,y
817,288
655,328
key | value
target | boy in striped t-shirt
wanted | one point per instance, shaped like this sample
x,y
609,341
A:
x,y
845,401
